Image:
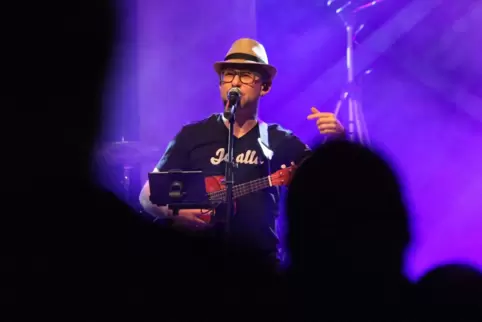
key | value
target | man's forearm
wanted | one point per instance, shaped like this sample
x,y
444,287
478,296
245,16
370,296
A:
x,y
153,210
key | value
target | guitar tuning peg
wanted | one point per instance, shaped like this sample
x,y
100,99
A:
x,y
292,163
283,166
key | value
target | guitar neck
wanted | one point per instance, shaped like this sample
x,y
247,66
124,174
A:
x,y
243,189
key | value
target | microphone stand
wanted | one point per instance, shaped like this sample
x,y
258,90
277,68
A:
x,y
230,165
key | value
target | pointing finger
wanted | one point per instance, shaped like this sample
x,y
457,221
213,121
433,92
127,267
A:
x,y
320,115
314,110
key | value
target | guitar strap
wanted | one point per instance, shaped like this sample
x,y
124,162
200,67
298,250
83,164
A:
x,y
263,141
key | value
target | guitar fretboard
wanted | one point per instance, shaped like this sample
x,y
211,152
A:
x,y
241,189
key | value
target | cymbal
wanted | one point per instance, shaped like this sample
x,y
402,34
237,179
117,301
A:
x,y
128,152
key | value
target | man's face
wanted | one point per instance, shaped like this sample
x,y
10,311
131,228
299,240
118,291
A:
x,y
249,82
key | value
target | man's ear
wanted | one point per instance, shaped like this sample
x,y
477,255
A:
x,y
265,88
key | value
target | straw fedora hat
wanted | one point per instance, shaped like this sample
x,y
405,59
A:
x,y
246,52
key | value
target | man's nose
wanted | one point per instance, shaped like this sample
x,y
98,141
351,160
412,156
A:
x,y
236,81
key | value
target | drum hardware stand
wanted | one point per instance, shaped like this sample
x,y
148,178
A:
x,y
128,155
126,182
357,129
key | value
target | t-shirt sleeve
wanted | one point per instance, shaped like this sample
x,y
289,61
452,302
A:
x,y
176,156
292,149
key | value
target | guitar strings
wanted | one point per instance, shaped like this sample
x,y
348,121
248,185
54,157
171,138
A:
x,y
241,188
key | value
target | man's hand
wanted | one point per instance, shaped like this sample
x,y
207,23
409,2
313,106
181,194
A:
x,y
326,123
190,219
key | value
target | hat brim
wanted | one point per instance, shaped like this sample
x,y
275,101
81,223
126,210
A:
x,y
269,69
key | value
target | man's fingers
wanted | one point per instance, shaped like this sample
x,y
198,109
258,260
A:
x,y
202,212
321,115
326,126
314,110
325,121
199,221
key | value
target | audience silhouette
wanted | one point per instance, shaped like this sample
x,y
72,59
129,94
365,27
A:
x,y
347,232
451,292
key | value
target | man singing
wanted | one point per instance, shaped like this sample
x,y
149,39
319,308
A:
x,y
203,146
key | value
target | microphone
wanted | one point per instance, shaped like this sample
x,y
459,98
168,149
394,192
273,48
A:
x,y
234,95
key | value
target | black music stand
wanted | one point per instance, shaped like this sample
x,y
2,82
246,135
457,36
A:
x,y
179,190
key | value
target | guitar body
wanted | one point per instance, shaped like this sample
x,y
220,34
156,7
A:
x,y
213,185
216,189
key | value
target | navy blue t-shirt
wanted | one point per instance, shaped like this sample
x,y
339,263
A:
x,y
203,146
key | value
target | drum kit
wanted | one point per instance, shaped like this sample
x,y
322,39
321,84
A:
x,y
128,156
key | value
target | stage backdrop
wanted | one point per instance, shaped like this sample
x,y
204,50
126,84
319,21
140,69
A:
x,y
421,96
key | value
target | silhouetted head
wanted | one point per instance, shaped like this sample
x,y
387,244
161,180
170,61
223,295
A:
x,y
451,292
346,212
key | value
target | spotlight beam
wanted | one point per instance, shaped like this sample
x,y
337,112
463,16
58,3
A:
x,y
367,52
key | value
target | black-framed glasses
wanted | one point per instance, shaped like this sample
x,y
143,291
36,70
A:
x,y
246,77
